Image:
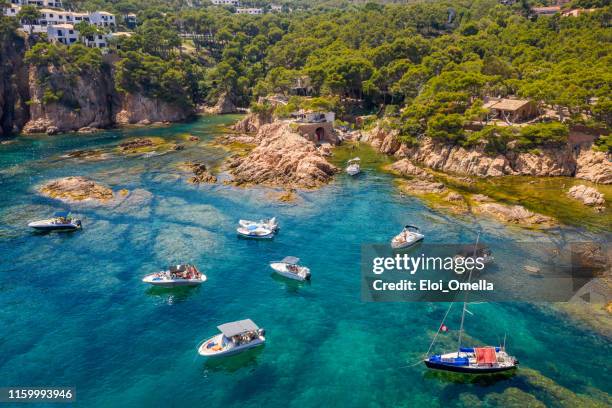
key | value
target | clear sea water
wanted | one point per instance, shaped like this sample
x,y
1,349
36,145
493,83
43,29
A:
x,y
73,311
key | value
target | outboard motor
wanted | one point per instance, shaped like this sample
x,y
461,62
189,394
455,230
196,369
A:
x,y
261,332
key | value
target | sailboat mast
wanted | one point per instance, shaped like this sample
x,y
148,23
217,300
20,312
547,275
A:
x,y
466,297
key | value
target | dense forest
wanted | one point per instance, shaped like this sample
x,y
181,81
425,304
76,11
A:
x,y
425,65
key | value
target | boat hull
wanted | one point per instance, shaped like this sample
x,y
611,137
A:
x,y
281,269
353,171
467,369
255,236
164,283
204,351
67,227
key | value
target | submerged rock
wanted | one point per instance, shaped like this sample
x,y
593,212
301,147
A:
x,y
588,195
513,397
282,158
419,186
513,214
201,174
136,144
76,189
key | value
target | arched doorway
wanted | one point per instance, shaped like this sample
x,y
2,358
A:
x,y
320,134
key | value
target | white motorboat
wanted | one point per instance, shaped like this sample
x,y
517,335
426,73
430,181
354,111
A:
x,y
255,232
289,268
176,275
62,221
353,166
234,338
409,236
270,223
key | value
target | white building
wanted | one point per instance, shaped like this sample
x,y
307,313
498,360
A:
x,y
234,3
39,3
96,41
276,8
62,33
252,11
80,17
12,10
102,19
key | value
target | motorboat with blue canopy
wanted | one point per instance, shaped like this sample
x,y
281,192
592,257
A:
x,y
61,221
234,338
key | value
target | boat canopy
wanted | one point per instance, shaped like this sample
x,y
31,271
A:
x,y
291,260
471,349
62,214
408,227
238,327
485,355
178,268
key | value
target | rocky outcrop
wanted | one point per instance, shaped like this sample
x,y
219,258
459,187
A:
x,y
72,189
252,122
14,90
513,214
282,158
405,168
418,186
594,166
588,195
580,161
224,105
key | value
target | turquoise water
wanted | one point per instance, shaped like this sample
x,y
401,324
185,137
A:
x,y
73,311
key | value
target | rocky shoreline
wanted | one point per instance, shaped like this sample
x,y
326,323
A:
x,y
421,183
579,161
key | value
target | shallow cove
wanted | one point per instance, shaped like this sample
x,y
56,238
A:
x,y
74,312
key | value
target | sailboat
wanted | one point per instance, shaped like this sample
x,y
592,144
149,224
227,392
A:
x,y
471,360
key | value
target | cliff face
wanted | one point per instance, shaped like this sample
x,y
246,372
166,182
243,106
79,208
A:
x,y
39,99
137,108
579,161
76,101
14,90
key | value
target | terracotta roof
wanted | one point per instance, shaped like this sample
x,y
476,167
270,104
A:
x,y
507,104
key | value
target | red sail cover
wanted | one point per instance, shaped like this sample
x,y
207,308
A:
x,y
485,355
